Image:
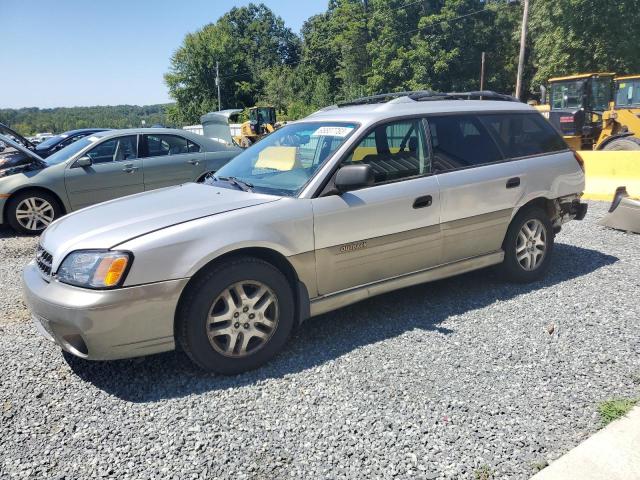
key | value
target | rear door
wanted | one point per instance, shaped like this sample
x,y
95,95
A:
x,y
478,190
170,160
385,230
115,172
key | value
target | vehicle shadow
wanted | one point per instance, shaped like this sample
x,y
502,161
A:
x,y
332,335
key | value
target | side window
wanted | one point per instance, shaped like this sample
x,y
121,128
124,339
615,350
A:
x,y
193,147
160,145
395,151
114,149
521,135
460,141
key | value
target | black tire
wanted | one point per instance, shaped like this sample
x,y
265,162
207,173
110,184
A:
x,y
624,143
38,196
511,267
195,306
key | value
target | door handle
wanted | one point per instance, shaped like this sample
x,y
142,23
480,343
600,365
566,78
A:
x,y
513,182
129,169
422,202
194,162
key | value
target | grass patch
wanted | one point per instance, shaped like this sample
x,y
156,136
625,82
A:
x,y
483,473
611,410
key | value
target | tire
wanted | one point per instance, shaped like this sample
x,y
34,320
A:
x,y
624,143
32,211
523,266
209,343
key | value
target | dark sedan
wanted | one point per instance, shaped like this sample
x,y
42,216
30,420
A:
x,y
58,142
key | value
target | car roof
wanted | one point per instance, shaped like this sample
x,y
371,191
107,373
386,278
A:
x,y
83,130
210,144
404,106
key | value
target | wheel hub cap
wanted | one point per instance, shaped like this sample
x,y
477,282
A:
x,y
531,246
34,213
242,318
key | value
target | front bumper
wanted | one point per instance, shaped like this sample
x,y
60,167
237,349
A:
x,y
103,324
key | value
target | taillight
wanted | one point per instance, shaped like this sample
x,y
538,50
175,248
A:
x,y
579,159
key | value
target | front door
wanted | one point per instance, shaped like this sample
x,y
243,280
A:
x,y
170,160
115,172
385,230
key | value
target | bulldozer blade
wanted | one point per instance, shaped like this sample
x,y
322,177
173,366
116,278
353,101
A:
x,y
624,213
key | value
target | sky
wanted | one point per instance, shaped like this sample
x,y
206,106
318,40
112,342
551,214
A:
x,y
105,52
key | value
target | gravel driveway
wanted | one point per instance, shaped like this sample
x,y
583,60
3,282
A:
x,y
454,379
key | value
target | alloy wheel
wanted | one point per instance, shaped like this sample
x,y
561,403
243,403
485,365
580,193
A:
x,y
242,318
531,246
34,213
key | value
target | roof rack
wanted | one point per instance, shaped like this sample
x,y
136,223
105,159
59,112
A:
x,y
426,95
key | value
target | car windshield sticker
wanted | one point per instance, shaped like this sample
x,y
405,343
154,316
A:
x,y
332,132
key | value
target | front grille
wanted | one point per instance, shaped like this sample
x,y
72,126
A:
x,y
43,260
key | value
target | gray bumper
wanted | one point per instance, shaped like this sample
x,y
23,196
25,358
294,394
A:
x,y
106,324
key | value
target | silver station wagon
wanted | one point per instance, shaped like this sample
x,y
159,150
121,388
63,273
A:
x,y
101,166
350,202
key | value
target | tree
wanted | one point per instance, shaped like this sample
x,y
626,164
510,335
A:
x,y
246,41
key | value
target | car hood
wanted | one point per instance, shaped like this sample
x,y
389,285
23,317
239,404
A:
x,y
108,224
16,158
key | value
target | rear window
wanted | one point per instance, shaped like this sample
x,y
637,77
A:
x,y
521,135
460,141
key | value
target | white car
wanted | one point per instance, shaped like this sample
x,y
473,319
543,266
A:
x,y
353,201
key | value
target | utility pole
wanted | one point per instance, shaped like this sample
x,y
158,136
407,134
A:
x,y
482,73
218,83
523,41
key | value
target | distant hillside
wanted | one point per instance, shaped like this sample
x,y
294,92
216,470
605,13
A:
x,y
29,121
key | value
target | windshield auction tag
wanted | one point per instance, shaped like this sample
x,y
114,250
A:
x,y
332,132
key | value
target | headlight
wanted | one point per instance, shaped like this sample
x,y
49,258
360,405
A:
x,y
94,268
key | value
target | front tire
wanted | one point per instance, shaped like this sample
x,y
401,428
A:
x,y
32,212
528,246
236,316
623,144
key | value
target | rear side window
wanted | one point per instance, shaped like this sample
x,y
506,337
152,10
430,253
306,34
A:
x,y
521,135
460,141
161,145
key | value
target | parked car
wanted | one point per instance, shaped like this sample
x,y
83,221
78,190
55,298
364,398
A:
x,y
58,142
100,167
348,203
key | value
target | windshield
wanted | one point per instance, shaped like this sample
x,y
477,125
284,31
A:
x,y
600,93
628,92
70,150
283,162
567,95
49,142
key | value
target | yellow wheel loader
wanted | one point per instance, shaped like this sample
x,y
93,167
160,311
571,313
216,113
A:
x,y
595,111
262,121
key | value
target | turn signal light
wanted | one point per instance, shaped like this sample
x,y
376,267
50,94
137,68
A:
x,y
110,270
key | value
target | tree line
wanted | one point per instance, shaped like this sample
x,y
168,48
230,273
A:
x,y
28,121
359,47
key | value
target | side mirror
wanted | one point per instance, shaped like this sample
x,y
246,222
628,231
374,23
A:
x,y
352,177
83,162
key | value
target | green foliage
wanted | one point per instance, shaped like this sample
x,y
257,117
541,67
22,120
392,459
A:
x,y
246,42
28,121
611,410
580,36
484,472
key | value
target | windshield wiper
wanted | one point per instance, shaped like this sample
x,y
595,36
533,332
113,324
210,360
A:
x,y
241,184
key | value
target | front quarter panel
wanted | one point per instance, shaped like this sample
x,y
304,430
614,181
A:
x,y
179,251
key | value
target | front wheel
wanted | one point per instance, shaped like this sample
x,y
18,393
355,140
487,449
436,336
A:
x,y
528,246
236,316
32,212
624,143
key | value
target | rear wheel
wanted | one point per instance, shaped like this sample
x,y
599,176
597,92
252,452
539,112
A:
x,y
528,246
32,212
624,143
236,317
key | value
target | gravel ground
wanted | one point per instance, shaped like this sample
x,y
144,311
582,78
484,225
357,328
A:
x,y
452,379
